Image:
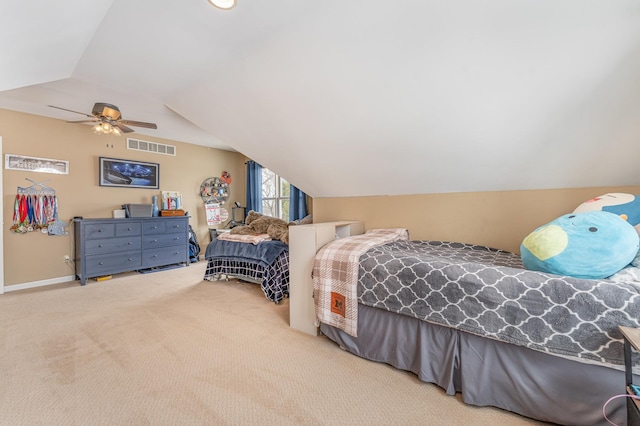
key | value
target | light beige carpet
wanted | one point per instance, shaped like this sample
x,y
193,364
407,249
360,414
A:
x,y
171,349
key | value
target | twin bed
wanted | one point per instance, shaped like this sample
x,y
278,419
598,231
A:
x,y
261,261
473,321
467,318
257,251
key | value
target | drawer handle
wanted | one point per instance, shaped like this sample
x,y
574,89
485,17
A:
x,y
155,255
99,230
155,241
129,243
177,252
128,229
155,227
130,259
177,238
100,263
99,245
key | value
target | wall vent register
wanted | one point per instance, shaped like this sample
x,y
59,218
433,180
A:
x,y
147,146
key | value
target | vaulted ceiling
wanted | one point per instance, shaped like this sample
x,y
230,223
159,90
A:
x,y
352,98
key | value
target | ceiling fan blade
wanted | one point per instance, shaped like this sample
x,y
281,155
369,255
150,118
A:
x,y
70,110
138,124
95,120
123,128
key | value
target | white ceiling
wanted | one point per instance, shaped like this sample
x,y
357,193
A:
x,y
352,98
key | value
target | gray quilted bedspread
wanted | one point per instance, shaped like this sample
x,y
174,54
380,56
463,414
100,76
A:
x,y
488,293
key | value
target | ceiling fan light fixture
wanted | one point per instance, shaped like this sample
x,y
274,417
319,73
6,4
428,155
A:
x,y
106,128
223,4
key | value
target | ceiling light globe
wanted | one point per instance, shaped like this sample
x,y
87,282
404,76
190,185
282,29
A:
x,y
223,4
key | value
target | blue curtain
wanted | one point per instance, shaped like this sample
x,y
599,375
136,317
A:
x,y
254,187
297,204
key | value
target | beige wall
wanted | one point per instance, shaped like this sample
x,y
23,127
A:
x,y
494,219
35,256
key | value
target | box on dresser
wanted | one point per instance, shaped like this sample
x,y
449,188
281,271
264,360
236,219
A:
x,y
111,246
178,212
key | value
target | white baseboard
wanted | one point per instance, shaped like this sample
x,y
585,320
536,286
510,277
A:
x,y
35,284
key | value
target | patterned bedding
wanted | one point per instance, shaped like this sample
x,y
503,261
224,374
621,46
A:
x,y
335,275
486,292
267,266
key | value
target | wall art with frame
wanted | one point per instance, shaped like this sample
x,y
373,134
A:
x,y
35,164
128,173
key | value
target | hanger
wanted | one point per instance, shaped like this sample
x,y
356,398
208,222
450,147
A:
x,y
38,188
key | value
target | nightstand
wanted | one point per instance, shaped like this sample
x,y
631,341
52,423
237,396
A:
x,y
631,340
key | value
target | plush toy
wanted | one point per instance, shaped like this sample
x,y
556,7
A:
x,y
627,206
251,216
225,178
257,223
584,245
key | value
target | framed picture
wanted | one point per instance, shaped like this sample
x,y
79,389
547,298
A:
x,y
35,164
128,173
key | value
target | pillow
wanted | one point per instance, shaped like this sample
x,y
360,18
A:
x,y
591,245
627,206
626,275
304,221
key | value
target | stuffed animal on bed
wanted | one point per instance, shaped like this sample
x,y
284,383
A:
x,y
257,223
591,245
627,206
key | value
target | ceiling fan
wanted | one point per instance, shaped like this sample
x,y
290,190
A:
x,y
108,119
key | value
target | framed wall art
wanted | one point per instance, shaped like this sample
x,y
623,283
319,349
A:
x,y
128,173
35,164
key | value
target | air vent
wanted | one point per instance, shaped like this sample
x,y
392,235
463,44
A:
x,y
158,148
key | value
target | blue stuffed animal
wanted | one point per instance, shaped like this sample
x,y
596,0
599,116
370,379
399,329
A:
x,y
591,245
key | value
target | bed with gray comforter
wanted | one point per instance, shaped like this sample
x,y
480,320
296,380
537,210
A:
x,y
470,319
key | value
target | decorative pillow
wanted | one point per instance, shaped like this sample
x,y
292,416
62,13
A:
x,y
304,221
591,245
626,275
627,206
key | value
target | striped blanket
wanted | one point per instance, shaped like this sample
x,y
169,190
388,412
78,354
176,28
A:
x,y
335,276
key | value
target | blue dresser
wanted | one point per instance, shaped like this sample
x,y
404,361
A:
x,y
110,246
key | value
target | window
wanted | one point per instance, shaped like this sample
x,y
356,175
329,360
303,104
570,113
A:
x,y
275,195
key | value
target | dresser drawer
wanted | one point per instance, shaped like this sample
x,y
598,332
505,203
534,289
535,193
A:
x,y
155,227
152,241
112,245
175,225
100,230
164,256
112,263
128,229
